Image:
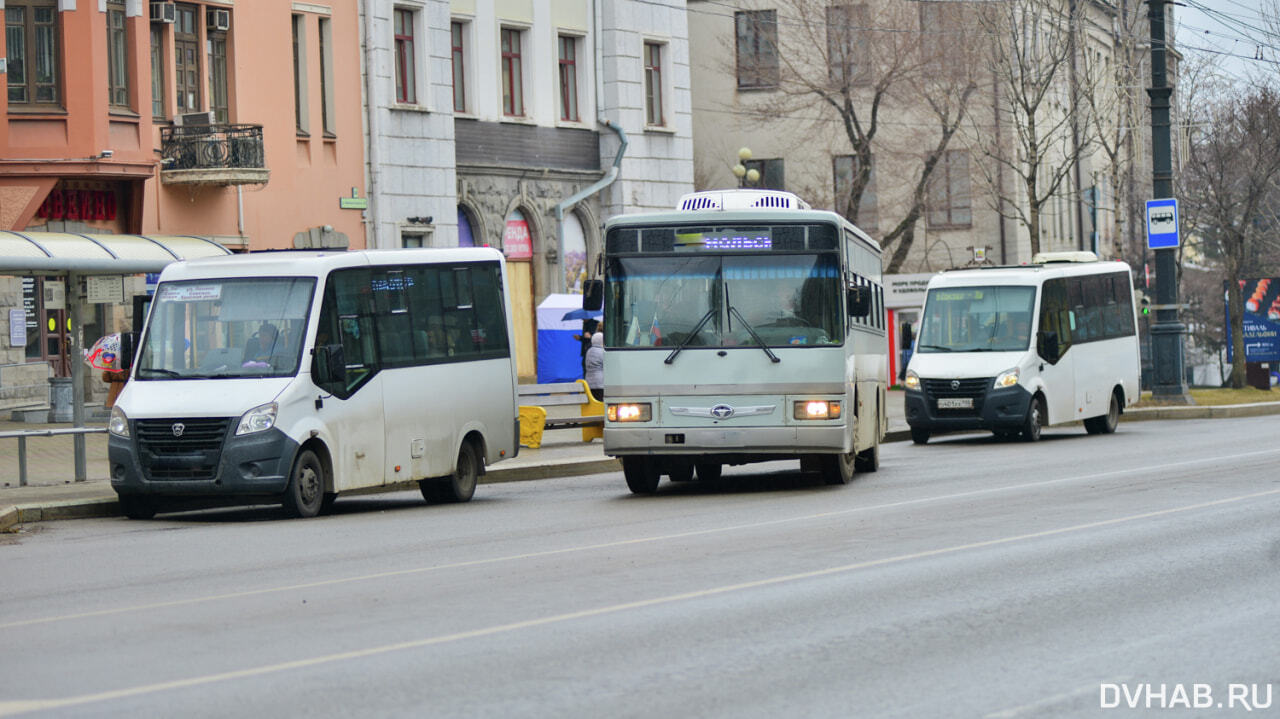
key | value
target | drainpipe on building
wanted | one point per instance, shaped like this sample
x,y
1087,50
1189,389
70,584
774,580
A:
x,y
600,184
371,118
240,212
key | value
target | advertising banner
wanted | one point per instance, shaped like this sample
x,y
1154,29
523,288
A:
x,y
1261,320
517,243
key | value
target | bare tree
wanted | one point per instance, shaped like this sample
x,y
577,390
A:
x,y
1234,166
1032,45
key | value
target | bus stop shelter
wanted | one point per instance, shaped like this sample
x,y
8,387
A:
x,y
72,256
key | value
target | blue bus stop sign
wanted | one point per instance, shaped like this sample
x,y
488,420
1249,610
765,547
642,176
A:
x,y
1162,223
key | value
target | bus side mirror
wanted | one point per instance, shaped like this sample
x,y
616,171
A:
x,y
1047,346
592,295
329,365
128,347
859,301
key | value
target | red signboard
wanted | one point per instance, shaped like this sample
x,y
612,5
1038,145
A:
x,y
517,243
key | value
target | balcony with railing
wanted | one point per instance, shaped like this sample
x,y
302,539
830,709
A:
x,y
212,155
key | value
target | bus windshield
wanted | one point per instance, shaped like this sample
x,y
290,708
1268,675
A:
x,y
977,319
728,300
221,328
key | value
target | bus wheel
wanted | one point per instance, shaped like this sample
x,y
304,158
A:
x,y
306,486
135,507
682,472
1106,424
457,487
642,475
1031,426
839,468
708,471
919,436
868,460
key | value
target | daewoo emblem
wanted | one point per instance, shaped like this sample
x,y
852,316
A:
x,y
722,411
178,428
955,384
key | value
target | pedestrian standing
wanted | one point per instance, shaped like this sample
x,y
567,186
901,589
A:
x,y
593,366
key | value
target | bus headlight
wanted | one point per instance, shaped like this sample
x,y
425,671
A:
x,y
262,417
912,381
119,423
817,409
630,412
1007,378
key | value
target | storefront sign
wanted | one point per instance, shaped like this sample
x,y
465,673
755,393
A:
x,y
517,243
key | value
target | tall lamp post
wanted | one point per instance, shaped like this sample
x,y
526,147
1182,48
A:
x,y
1167,332
740,171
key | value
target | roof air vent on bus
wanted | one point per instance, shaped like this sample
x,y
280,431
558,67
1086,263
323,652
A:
x,y
1043,258
741,200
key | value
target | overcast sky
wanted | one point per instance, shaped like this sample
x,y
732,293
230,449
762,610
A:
x,y
1232,31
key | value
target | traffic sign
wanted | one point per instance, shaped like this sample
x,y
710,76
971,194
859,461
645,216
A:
x,y
1162,223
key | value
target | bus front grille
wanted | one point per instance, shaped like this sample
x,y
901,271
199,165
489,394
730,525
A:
x,y
185,448
974,388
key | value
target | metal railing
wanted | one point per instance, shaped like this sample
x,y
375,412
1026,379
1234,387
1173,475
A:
x,y
202,147
22,435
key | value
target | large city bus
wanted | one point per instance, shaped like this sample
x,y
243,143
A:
x,y
295,377
1013,349
742,327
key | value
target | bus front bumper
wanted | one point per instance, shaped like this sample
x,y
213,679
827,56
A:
x,y
996,409
785,441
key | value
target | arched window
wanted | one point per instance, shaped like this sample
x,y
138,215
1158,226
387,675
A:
x,y
466,235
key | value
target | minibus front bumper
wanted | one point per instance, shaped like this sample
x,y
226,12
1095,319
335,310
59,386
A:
x,y
993,409
227,466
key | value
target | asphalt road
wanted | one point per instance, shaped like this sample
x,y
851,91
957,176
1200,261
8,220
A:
x,y
967,578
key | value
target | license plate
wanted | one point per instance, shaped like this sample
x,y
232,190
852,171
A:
x,y
955,403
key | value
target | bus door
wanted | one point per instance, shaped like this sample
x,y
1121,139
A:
x,y
1057,317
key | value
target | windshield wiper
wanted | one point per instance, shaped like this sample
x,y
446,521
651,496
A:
x,y
160,371
696,329
752,331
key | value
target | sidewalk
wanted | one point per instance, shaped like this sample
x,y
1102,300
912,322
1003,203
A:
x,y
52,494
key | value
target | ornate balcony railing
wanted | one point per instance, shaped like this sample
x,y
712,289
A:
x,y
212,154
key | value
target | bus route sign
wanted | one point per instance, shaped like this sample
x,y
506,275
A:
x,y
1162,223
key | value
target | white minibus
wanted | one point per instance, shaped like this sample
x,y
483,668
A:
x,y
1013,349
743,326
295,377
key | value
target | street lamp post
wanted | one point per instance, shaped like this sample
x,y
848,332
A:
x,y
740,171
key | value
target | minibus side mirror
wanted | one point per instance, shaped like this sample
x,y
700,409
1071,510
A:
x,y
592,295
329,366
1047,346
128,347
859,301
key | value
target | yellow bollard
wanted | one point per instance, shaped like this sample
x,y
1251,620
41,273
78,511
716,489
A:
x,y
593,408
533,420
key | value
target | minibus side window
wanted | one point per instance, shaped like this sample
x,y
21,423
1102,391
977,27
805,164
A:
x,y
346,318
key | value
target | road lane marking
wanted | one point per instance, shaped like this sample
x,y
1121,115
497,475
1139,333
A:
x,y
1040,704
610,545
10,708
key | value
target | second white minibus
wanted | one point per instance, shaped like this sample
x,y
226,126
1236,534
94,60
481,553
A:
x,y
1012,349
295,377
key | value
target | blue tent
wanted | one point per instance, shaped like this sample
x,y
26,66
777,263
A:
x,y
559,354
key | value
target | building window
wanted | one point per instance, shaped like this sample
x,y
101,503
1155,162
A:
x,y
157,70
117,56
773,174
186,59
216,42
459,68
31,41
949,195
301,121
844,168
846,43
413,239
328,116
569,78
757,32
405,53
512,81
653,84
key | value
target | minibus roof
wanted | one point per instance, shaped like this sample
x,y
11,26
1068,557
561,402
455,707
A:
x,y
315,263
1023,274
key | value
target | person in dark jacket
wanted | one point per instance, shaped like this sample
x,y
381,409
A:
x,y
589,327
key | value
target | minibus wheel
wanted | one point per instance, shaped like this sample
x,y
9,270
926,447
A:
x,y
1106,424
136,507
641,475
919,436
839,468
1031,426
457,487
305,493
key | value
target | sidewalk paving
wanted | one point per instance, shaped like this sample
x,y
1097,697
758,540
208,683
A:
x,y
53,494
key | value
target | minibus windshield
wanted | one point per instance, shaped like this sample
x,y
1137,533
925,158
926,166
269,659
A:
x,y
223,328
977,319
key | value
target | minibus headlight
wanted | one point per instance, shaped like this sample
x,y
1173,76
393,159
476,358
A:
x,y
1007,378
262,417
912,381
630,412
119,423
817,409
